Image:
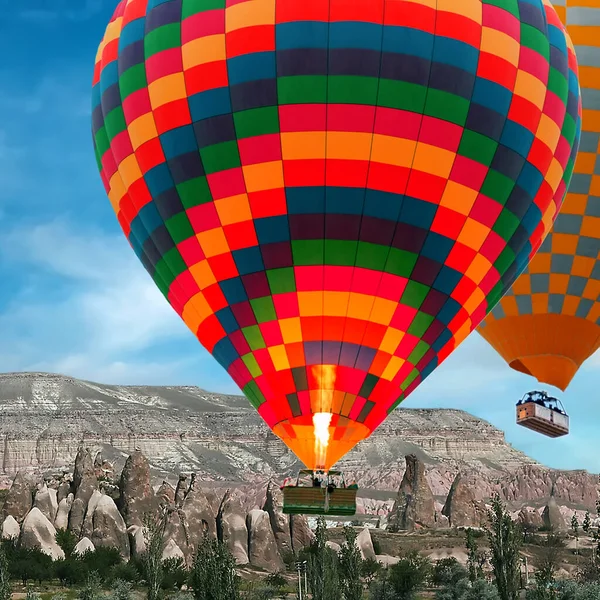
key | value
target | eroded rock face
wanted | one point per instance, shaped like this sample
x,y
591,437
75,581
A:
x,y
552,517
262,546
181,489
136,491
365,544
109,528
38,532
137,542
461,508
10,528
19,499
530,518
302,534
84,545
88,522
172,550
84,476
186,525
165,495
414,507
231,525
292,532
62,514
76,516
64,489
280,523
45,500
534,482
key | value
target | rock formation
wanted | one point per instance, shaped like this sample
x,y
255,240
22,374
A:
x,y
530,518
231,526
109,528
76,516
45,500
165,495
136,490
172,550
62,514
365,544
84,476
414,507
84,545
262,547
280,523
19,499
552,517
461,508
10,528
38,532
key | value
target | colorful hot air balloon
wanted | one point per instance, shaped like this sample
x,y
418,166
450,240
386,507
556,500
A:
x,y
548,324
333,193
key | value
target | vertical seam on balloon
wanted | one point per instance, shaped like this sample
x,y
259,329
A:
x,y
401,206
174,284
354,267
283,188
245,186
511,280
446,327
491,299
323,283
507,285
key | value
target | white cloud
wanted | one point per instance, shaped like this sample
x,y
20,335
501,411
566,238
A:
x,y
87,308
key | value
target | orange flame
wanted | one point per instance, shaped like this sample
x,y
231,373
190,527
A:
x,y
326,376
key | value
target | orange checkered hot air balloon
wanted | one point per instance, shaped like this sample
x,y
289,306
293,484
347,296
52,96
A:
x,y
334,193
548,324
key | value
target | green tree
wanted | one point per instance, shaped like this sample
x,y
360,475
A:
x,y
154,534
545,576
323,577
67,540
277,583
505,542
213,574
103,560
587,522
464,589
350,566
71,571
369,569
575,529
5,591
175,573
409,575
447,572
121,590
381,588
91,588
475,558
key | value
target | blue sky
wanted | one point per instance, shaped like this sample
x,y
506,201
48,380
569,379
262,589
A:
x,y
74,298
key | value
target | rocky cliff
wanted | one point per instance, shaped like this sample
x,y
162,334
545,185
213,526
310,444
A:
x,y
45,418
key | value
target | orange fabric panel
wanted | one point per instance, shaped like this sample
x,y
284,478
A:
x,y
549,347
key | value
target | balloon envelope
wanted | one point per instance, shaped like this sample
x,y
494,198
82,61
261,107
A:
x,y
333,193
548,324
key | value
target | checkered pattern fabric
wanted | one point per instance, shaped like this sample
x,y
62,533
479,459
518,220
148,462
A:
x,y
564,277
333,193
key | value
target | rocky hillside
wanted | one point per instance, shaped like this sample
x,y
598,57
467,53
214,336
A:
x,y
45,418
